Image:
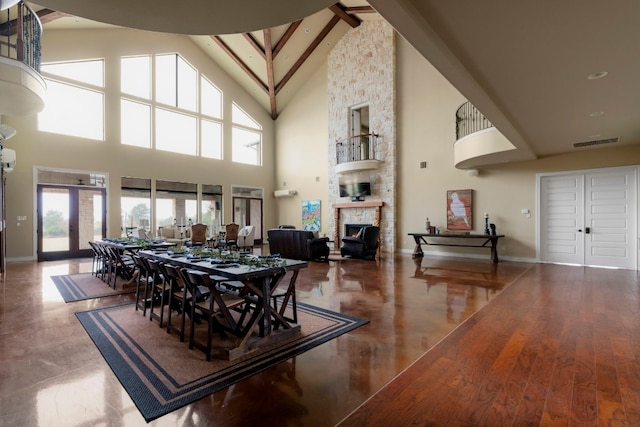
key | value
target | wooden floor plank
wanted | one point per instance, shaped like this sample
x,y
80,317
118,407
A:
x,y
564,351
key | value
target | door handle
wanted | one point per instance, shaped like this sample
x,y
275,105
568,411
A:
x,y
587,230
579,230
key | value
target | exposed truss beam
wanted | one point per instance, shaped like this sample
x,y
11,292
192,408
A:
x,y
285,37
253,42
332,23
240,63
48,15
268,50
340,11
359,9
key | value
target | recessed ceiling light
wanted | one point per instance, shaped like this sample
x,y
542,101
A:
x,y
598,75
306,30
596,114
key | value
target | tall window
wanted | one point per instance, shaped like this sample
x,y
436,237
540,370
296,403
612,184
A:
x,y
135,204
246,138
183,113
75,99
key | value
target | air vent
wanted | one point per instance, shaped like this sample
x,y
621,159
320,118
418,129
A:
x,y
596,142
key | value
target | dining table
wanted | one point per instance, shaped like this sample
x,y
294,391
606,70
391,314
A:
x,y
257,279
135,245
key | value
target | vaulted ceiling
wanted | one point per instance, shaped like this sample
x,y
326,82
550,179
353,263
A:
x,y
530,67
270,63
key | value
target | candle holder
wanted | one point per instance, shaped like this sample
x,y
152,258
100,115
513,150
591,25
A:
x,y
486,225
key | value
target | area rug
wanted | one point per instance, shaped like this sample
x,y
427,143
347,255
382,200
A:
x,y
161,374
78,287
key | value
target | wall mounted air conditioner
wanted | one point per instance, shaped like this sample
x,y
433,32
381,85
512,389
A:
x,y
7,159
284,193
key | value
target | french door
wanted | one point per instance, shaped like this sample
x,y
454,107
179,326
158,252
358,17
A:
x,y
68,218
248,211
590,218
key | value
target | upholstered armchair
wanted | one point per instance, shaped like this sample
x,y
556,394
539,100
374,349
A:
x,y
230,240
198,234
363,245
246,237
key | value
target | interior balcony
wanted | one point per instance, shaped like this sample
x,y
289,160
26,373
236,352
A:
x,y
22,89
478,142
357,154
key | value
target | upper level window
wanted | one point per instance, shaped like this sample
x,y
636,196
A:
x,y
90,72
135,76
246,138
211,99
176,82
75,99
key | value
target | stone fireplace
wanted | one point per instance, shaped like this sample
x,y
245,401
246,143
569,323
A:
x,y
362,72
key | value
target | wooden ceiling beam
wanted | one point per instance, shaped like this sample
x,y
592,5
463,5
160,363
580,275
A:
x,y
359,9
48,15
268,50
253,42
340,11
285,37
240,63
314,44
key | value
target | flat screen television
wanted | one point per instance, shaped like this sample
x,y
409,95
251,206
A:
x,y
355,189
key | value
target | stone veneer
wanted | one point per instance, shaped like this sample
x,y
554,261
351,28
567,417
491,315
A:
x,y
362,70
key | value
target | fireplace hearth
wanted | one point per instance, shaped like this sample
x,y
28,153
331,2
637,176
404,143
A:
x,y
353,229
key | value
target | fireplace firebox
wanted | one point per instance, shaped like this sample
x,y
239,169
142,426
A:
x,y
353,229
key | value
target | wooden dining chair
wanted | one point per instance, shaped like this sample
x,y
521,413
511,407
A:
x,y
216,309
179,300
159,290
143,277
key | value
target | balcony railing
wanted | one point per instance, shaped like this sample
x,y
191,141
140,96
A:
x,y
356,148
20,34
469,120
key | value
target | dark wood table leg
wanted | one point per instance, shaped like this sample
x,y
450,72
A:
x,y
494,250
417,251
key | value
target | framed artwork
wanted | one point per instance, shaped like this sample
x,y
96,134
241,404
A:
x,y
311,215
459,209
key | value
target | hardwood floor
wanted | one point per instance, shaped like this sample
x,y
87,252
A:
x,y
450,342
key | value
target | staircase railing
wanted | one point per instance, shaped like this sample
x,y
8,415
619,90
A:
x,y
356,148
470,120
20,35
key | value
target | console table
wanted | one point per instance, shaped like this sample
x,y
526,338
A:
x,y
464,240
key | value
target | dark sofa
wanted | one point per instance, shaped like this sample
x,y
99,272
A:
x,y
297,244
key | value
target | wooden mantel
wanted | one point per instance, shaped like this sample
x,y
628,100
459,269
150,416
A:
x,y
353,205
358,205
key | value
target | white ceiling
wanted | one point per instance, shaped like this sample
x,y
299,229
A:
x,y
525,65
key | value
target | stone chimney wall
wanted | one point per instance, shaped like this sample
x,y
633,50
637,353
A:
x,y
362,71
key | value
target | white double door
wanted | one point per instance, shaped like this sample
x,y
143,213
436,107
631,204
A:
x,y
590,218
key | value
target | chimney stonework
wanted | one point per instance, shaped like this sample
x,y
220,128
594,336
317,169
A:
x,y
362,71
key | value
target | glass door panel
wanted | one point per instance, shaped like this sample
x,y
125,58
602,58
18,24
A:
x,y
68,218
55,219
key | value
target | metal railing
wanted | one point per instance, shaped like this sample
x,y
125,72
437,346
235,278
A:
x,y
470,120
20,34
356,148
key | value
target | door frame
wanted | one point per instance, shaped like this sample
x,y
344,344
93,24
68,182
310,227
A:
x,y
74,217
540,176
